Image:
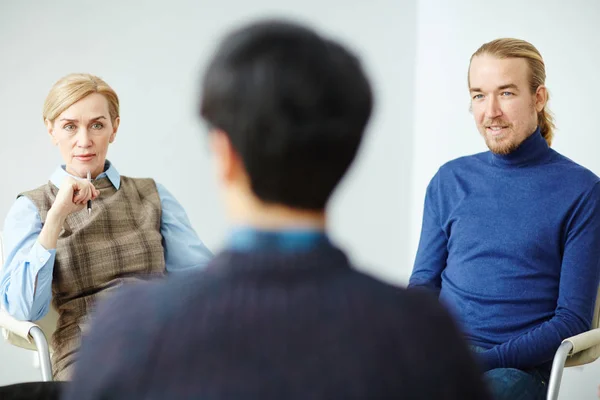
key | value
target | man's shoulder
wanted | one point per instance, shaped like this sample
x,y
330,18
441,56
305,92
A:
x,y
182,294
464,161
133,301
461,166
419,305
177,289
414,313
167,291
575,171
423,304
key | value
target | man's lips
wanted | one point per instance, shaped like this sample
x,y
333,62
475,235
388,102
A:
x,y
496,129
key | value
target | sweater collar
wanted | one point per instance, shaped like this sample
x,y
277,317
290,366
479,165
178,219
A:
x,y
533,150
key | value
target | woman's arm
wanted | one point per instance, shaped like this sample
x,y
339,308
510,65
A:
x,y
183,248
26,278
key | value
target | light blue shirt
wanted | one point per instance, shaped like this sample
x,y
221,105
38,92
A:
x,y
289,240
27,260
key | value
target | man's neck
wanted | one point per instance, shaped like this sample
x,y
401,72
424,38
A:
x,y
277,217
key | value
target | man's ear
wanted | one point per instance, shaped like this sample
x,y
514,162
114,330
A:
x,y
50,129
227,160
541,98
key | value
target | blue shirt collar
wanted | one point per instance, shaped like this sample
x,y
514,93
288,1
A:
x,y
289,240
110,172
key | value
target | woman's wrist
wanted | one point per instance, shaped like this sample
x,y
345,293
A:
x,y
55,216
51,230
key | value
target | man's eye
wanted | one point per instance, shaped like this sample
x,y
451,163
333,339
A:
x,y
97,125
477,97
507,93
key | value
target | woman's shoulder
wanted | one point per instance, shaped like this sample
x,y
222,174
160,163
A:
x,y
40,198
23,211
144,183
36,191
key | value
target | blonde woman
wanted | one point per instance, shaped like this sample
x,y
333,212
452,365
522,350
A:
x,y
89,228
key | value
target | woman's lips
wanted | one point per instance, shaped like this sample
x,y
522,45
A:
x,y
85,157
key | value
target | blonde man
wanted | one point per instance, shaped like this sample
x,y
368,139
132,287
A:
x,y
510,236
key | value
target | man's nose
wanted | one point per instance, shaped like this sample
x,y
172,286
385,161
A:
x,y
493,109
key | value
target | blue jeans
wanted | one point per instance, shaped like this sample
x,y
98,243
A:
x,y
516,384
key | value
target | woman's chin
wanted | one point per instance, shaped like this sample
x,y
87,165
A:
x,y
77,170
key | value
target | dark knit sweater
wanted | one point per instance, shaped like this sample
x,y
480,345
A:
x,y
274,325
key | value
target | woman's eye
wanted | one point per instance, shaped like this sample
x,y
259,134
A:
x,y
69,127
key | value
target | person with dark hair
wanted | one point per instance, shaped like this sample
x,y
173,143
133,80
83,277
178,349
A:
x,y
281,313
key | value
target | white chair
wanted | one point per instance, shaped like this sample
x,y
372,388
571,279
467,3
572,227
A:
x,y
577,350
30,335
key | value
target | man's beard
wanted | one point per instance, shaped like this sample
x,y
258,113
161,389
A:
x,y
501,145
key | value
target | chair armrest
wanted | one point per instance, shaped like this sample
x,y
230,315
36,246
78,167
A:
x,y
17,332
30,336
584,341
576,350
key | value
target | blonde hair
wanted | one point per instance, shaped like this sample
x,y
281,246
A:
x,y
517,48
71,88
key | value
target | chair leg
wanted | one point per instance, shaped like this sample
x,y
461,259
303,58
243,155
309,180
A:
x,y
558,365
43,353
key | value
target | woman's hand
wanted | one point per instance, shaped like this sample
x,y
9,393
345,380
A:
x,y
73,196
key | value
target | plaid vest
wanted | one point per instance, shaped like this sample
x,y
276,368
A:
x,y
119,241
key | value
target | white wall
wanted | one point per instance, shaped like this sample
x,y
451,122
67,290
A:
x,y
151,53
568,36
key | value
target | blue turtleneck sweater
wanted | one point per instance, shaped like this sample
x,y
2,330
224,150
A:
x,y
512,244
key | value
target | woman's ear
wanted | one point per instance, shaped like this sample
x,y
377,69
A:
x,y
50,129
115,126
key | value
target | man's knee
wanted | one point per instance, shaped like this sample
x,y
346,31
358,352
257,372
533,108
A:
x,y
515,384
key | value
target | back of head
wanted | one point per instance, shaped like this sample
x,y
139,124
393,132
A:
x,y
294,106
71,88
517,48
